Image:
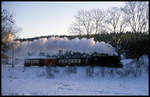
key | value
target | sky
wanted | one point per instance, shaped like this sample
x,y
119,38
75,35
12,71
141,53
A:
x,y
49,18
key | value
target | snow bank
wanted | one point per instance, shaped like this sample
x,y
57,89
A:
x,y
34,81
52,46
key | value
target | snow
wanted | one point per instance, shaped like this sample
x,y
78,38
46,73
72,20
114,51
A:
x,y
126,61
36,81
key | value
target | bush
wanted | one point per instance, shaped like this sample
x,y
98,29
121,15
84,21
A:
x,y
49,71
90,71
71,69
102,70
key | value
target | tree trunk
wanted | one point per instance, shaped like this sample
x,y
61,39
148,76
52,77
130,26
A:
x,y
13,57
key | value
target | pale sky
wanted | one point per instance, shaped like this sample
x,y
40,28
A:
x,y
49,18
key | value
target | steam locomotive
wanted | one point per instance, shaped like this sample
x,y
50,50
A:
x,y
75,60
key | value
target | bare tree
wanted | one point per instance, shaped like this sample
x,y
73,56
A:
x,y
122,22
88,22
136,15
6,29
147,17
76,28
83,23
8,32
98,17
113,18
84,18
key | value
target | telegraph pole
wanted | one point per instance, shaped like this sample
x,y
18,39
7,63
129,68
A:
x,y
13,55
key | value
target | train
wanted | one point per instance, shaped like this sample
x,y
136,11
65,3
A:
x,y
75,60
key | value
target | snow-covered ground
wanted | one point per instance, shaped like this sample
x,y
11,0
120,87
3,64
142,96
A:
x,y
36,81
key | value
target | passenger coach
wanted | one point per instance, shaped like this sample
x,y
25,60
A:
x,y
93,60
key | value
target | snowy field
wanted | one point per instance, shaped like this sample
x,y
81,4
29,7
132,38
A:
x,y
36,81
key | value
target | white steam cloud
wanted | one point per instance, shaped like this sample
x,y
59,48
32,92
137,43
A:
x,y
52,46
